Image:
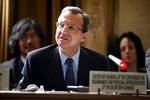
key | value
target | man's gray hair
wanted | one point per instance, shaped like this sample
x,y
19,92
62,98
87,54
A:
x,y
76,10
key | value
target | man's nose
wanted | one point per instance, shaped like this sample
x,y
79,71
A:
x,y
29,40
65,29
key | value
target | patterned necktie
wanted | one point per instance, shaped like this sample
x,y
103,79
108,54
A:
x,y
69,79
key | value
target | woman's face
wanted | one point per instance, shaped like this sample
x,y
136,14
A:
x,y
128,50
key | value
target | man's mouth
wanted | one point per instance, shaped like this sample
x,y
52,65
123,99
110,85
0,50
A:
x,y
63,38
30,47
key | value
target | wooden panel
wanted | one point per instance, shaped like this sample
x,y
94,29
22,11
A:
x,y
35,9
98,11
133,15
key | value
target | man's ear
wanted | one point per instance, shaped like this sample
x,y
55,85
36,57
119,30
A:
x,y
85,36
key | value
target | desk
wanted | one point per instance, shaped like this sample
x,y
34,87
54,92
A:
x,y
66,96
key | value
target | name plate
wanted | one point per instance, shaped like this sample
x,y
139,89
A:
x,y
4,79
118,82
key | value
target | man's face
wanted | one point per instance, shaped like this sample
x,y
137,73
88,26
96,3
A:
x,y
30,41
69,31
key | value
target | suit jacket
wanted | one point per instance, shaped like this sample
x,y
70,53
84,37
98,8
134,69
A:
x,y
15,65
43,67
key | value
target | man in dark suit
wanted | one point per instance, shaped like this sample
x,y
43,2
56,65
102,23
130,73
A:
x,y
47,66
26,36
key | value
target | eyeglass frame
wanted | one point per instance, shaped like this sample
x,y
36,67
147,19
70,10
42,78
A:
x,y
69,26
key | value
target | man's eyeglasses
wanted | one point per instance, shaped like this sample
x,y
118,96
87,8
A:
x,y
26,36
70,27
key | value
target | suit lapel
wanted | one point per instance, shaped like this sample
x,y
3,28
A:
x,y
57,68
83,70
17,69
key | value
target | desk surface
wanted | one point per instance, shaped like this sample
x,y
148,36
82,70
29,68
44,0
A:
x,y
66,96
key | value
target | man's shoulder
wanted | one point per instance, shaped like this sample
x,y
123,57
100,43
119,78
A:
x,y
48,48
43,52
92,52
94,59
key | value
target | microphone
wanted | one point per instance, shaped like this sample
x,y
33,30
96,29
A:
x,y
121,63
147,64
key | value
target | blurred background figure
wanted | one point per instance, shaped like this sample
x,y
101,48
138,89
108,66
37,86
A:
x,y
147,64
26,36
131,51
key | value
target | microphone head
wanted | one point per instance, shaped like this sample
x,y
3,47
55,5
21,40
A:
x,y
123,65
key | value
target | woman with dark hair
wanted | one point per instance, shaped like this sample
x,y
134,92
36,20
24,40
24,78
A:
x,y
26,36
131,51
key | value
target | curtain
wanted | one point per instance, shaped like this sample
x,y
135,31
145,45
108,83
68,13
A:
x,y
4,29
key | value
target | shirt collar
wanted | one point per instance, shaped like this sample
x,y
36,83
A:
x,y
75,57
